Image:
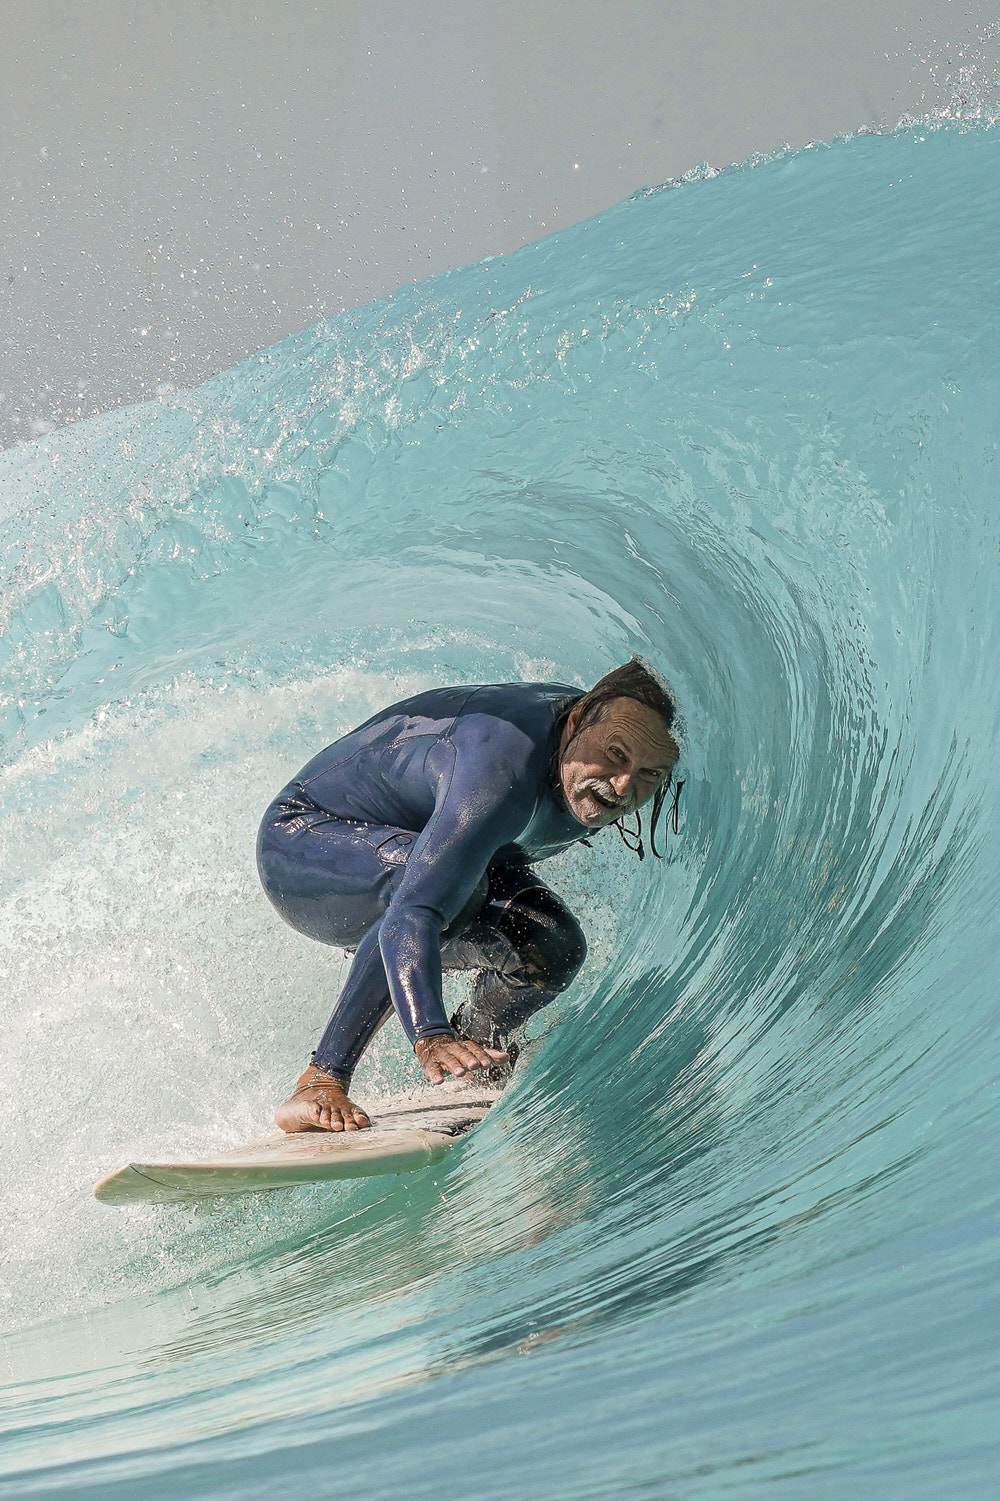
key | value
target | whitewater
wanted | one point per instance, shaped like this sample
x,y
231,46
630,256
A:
x,y
733,1230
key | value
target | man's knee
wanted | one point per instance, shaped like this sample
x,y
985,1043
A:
x,y
569,950
548,939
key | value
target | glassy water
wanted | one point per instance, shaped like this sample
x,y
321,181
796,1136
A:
x,y
733,1230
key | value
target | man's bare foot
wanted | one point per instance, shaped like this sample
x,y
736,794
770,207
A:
x,y
319,1103
457,1056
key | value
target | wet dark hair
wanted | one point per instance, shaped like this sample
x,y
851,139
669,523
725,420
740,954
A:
x,y
635,680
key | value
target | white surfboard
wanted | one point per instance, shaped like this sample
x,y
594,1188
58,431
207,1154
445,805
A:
x,y
407,1132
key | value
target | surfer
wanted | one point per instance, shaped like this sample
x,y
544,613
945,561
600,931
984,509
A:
x,y
412,840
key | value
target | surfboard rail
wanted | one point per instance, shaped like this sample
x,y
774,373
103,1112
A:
x,y
406,1134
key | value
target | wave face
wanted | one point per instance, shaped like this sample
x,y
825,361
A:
x,y
733,1230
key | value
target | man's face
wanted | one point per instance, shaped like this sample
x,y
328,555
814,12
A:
x,y
614,765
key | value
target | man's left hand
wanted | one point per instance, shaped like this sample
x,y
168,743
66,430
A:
x,y
457,1056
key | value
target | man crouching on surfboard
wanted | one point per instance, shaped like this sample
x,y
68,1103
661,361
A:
x,y
412,840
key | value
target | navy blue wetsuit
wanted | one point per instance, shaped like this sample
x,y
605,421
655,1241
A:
x,y
411,841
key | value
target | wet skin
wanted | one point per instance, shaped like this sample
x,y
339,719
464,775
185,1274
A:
x,y
608,768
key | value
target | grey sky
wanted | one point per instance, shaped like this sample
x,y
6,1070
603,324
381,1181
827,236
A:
x,y
188,180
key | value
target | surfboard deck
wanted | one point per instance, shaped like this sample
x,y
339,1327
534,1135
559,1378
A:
x,y
407,1132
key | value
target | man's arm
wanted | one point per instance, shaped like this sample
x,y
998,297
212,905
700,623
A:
x,y
484,800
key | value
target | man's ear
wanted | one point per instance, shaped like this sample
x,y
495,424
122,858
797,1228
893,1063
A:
x,y
572,720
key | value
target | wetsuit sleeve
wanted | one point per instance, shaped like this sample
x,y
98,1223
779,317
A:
x,y
484,799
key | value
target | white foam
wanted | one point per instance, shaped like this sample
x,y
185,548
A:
x,y
153,1000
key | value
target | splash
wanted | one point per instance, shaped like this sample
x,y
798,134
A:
x,y
965,77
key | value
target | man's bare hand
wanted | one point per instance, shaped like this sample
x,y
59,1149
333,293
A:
x,y
457,1056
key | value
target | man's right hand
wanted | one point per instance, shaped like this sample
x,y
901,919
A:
x,y
457,1056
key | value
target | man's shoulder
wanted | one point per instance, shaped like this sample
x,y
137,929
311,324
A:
x,y
506,733
514,700
516,703
514,710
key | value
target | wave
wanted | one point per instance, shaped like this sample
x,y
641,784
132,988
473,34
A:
x,y
738,1211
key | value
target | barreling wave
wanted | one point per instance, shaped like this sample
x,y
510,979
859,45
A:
x,y
733,1229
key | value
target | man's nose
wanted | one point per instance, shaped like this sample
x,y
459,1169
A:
x,y
621,782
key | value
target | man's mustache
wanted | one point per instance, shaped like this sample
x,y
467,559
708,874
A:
x,y
607,794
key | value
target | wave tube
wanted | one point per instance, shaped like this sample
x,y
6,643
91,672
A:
x,y
732,1231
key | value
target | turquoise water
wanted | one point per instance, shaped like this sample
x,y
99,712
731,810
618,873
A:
x,y
733,1231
